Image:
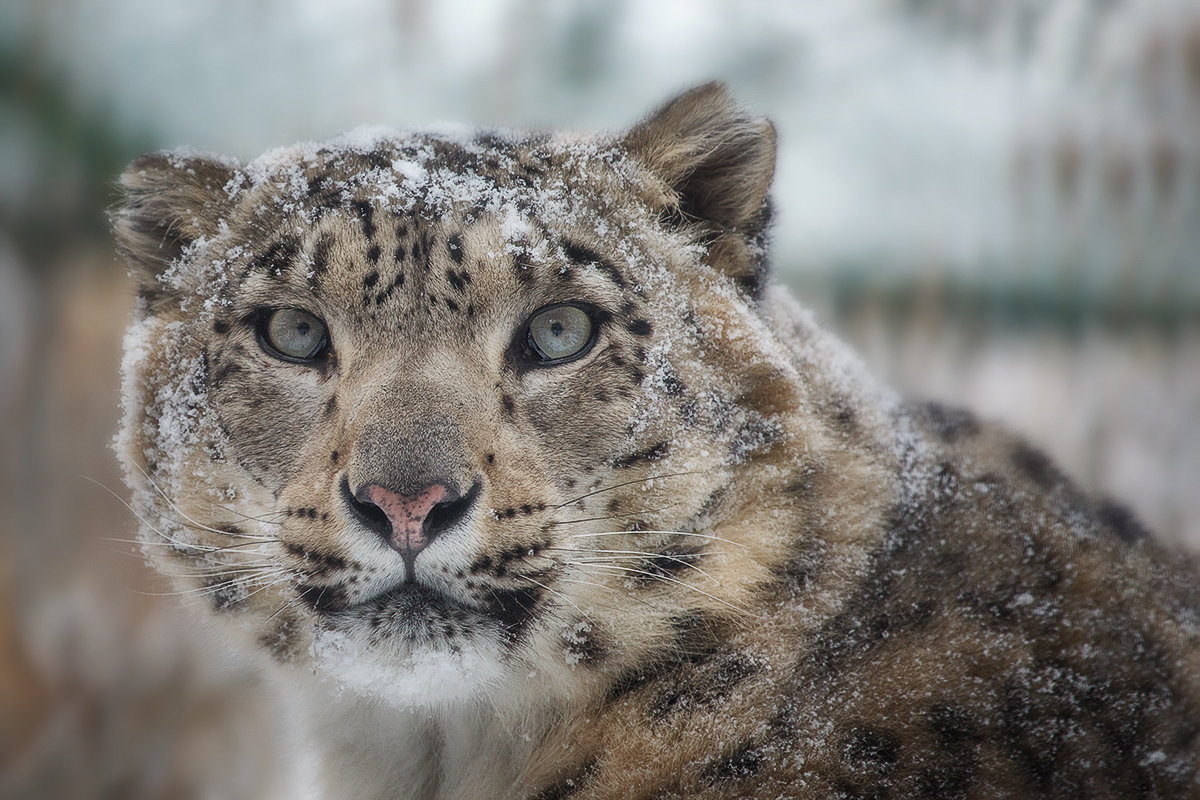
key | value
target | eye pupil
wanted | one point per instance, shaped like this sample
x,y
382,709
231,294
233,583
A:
x,y
556,328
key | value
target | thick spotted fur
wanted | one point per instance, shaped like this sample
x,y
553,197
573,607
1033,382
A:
x,y
709,558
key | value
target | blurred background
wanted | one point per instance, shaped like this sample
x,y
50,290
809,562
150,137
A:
x,y
997,203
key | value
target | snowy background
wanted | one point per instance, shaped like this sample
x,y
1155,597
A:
x,y
998,203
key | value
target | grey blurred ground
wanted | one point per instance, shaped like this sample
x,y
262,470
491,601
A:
x,y
998,204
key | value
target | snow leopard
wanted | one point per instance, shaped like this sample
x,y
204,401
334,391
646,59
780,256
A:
x,y
508,458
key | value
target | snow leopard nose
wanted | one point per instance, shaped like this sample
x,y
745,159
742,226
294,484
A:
x,y
409,522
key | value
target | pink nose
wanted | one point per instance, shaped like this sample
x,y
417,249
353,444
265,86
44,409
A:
x,y
407,513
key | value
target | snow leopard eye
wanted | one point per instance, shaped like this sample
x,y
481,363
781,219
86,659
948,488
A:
x,y
293,335
560,333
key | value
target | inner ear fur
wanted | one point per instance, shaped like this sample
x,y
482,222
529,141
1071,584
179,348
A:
x,y
715,157
169,202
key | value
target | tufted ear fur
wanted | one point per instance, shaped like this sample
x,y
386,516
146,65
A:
x,y
717,160
170,201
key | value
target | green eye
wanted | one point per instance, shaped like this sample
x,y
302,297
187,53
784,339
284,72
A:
x,y
294,335
559,333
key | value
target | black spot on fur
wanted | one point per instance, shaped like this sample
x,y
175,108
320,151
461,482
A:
x,y
698,634
324,194
671,561
704,684
278,258
886,605
323,562
954,728
507,403
220,326
320,255
1037,466
742,764
514,609
524,273
323,599
148,296
671,383
586,256
950,424
454,245
639,327
331,406
387,291
281,640
844,416
334,456
869,750
377,159
803,561
371,279
223,595
652,453
1120,521
366,213
373,253
585,644
223,371
399,255
756,436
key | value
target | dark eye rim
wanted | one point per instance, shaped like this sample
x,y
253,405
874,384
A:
x,y
525,352
261,319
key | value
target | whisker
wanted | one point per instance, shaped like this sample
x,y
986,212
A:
x,y
286,605
202,591
705,536
637,513
269,518
557,593
266,519
610,589
642,557
625,483
172,540
194,526
668,579
279,580
172,505
263,569
199,548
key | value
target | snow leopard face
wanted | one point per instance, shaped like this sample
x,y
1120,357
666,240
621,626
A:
x,y
440,410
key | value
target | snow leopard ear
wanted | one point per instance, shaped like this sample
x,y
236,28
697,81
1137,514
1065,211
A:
x,y
170,202
716,161
716,157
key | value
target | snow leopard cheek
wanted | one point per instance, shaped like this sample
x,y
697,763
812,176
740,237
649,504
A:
x,y
268,421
